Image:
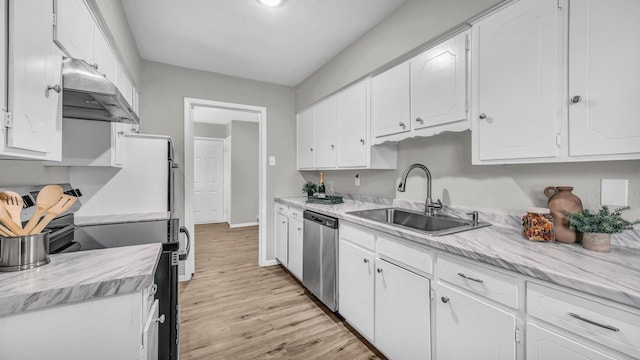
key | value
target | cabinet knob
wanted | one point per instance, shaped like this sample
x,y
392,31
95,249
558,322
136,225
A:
x,y
444,299
482,116
402,125
379,270
95,66
366,261
161,319
333,146
362,141
420,121
576,99
57,88
310,149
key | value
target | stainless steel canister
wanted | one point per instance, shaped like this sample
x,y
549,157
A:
x,y
24,252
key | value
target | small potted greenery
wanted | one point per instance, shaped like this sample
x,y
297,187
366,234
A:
x,y
310,188
598,227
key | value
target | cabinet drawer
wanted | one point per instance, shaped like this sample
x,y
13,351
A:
x,y
282,209
595,320
357,236
482,281
295,213
404,252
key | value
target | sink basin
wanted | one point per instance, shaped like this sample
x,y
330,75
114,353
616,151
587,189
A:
x,y
436,225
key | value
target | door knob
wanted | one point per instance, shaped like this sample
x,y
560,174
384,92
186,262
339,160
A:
x,y
482,116
576,99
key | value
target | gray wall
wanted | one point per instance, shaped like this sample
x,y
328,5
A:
x,y
164,88
210,130
448,156
244,172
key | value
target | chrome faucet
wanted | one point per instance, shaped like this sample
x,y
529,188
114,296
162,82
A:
x,y
429,205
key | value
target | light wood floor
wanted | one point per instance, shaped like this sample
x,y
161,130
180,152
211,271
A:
x,y
233,309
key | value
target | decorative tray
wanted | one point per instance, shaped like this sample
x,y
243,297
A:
x,y
327,200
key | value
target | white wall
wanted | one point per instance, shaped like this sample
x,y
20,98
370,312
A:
x,y
163,89
448,156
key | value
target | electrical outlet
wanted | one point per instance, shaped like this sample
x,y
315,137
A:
x,y
614,192
357,180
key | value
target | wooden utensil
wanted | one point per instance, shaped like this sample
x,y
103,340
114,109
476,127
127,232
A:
x,y
8,221
14,204
6,232
65,202
47,197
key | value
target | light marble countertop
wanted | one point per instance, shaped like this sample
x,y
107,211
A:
x,y
79,276
614,276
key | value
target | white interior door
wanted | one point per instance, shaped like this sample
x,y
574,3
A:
x,y
208,180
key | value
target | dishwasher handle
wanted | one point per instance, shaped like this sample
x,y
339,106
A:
x,y
321,219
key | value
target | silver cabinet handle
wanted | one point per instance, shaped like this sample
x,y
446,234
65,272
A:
x,y
366,261
379,270
362,141
57,88
160,319
420,121
470,278
482,116
402,125
608,327
444,299
576,99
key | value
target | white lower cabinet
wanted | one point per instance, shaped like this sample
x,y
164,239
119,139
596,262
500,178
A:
x,y
295,247
543,344
282,239
123,327
356,287
402,313
469,328
289,230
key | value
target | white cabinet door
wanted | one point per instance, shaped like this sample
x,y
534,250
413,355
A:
x,y
34,70
149,349
467,328
402,313
282,231
543,344
356,287
104,57
74,30
391,104
439,84
124,85
515,84
353,121
295,248
306,140
604,73
325,132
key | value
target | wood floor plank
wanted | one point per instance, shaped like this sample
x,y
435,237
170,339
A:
x,y
233,309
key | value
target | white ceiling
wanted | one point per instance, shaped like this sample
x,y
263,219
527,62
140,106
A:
x,y
222,116
243,38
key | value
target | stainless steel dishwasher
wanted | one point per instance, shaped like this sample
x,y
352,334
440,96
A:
x,y
320,257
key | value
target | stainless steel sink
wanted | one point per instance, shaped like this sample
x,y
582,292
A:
x,y
435,225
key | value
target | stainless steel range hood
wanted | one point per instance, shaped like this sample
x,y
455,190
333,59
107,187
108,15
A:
x,y
88,95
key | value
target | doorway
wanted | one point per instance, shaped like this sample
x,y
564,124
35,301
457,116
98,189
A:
x,y
208,180
258,113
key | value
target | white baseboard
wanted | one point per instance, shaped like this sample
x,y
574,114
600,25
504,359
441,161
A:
x,y
243,225
271,262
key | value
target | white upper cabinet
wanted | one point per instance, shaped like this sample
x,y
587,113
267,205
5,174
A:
x,y
306,140
124,85
515,84
34,78
391,104
325,117
353,125
105,59
604,78
74,30
439,85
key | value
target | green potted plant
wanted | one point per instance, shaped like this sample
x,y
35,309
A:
x,y
310,188
598,227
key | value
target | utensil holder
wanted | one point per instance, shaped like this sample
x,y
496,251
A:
x,y
24,252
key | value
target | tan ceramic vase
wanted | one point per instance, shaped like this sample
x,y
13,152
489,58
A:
x,y
561,198
597,242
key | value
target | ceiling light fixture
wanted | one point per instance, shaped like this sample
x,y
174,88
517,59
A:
x,y
270,3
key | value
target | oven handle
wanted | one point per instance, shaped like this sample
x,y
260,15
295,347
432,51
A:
x,y
185,254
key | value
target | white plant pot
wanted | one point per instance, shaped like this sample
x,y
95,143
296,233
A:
x,y
597,242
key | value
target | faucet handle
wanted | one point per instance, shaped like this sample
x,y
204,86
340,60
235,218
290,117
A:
x,y
474,217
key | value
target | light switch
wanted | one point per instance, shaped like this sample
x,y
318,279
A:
x,y
272,160
614,192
